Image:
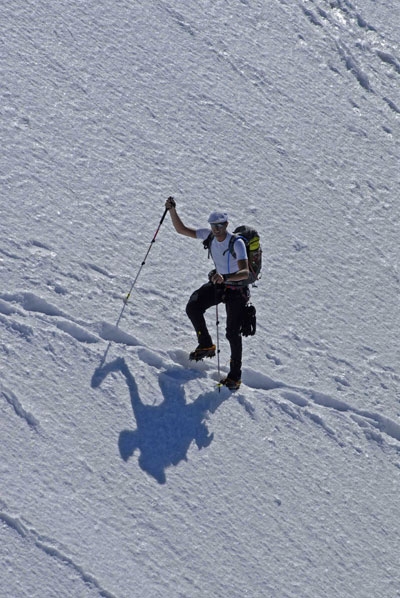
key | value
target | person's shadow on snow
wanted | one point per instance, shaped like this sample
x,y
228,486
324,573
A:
x,y
163,432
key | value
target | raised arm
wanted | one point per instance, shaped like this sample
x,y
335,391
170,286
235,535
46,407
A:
x,y
180,228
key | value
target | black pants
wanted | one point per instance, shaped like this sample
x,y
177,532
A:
x,y
235,301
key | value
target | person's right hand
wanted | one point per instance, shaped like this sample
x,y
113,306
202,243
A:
x,y
170,203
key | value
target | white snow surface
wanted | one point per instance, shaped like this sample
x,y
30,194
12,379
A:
x,y
125,472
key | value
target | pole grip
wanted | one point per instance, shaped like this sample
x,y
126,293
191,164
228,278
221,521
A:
x,y
163,216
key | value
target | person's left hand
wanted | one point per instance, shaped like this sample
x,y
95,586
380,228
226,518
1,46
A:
x,y
217,278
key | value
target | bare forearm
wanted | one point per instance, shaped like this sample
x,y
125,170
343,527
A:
x,y
240,274
236,276
176,221
180,228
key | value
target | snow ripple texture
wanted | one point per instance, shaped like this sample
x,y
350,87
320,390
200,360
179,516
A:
x,y
126,471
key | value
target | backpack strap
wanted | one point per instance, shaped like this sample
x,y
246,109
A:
x,y
207,243
232,242
231,247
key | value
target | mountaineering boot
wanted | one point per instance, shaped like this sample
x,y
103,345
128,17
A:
x,y
231,384
201,352
235,370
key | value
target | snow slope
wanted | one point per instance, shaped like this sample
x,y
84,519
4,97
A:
x,y
125,472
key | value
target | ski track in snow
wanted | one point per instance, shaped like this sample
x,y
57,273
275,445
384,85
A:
x,y
336,21
15,403
80,331
174,371
48,547
373,424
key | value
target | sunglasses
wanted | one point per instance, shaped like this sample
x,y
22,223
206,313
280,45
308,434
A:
x,y
219,225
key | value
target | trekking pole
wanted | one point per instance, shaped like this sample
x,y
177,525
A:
x,y
126,299
218,360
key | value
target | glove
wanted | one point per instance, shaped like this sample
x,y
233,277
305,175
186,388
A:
x,y
170,203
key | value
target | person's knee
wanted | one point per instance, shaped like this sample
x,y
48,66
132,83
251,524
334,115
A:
x,y
233,334
192,308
